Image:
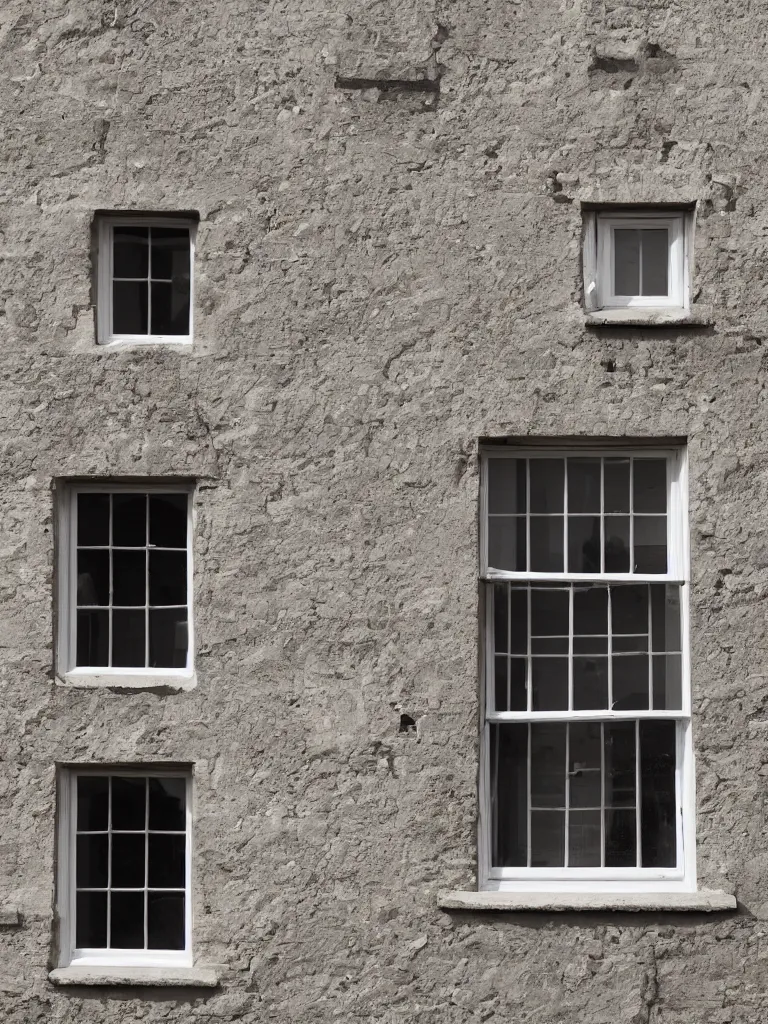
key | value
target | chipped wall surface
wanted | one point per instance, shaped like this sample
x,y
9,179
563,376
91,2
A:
x,y
383,275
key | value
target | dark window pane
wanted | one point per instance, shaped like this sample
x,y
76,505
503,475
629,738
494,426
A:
x,y
92,519
590,645
167,858
650,543
590,610
129,307
167,577
629,609
549,611
91,915
500,682
546,544
616,533
549,645
500,624
509,794
127,930
128,639
92,856
92,639
584,839
168,638
518,600
665,617
550,684
128,860
129,580
518,699
168,520
547,839
92,803
547,485
619,764
130,252
630,644
506,485
630,682
650,485
548,765
167,804
584,485
667,682
657,785
165,927
626,243
585,749
129,528
170,253
655,261
170,308
590,683
620,839
128,807
583,543
616,485
506,543
92,577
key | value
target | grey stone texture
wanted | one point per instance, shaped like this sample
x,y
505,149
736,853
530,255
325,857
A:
x,y
384,276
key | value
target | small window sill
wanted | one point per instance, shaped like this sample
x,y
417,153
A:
x,y
166,977
119,682
704,901
125,341
649,317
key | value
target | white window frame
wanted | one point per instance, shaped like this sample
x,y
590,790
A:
x,y
69,954
67,588
599,263
682,878
105,265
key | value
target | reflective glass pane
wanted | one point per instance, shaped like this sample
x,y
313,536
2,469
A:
x,y
128,808
619,764
130,252
129,520
170,307
127,920
547,839
509,794
128,648
92,803
548,764
655,261
665,617
549,611
616,493
500,619
128,860
129,577
590,610
550,683
92,639
590,683
584,839
650,486
167,577
91,917
584,485
546,543
650,543
583,543
501,682
626,243
506,543
92,577
170,253
616,533
92,519
165,920
518,618
585,750
168,520
631,682
667,682
629,609
547,485
657,786
129,307
506,486
91,861
620,839
167,803
168,637
167,859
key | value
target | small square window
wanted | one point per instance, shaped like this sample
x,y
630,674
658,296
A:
x,y
124,883
145,279
637,260
125,580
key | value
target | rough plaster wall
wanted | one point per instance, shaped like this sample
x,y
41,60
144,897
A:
x,y
383,276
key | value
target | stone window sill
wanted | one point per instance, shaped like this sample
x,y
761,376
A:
x,y
704,901
638,317
164,977
119,682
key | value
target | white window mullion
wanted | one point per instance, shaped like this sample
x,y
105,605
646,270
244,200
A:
x,y
638,817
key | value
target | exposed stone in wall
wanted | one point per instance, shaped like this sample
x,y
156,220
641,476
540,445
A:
x,y
379,283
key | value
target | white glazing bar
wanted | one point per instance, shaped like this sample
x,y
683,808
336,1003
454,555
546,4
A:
x,y
631,513
603,783
149,280
528,658
602,514
109,859
508,594
570,646
528,765
146,581
566,558
638,837
566,839
146,863
650,649
528,515
109,612
609,604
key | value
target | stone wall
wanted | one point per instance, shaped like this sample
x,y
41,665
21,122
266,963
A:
x,y
384,275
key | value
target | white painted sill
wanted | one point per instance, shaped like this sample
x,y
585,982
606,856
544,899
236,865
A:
x,y
705,901
638,316
119,681
155,977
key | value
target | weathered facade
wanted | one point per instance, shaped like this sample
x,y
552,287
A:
x,y
384,275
